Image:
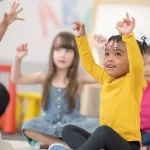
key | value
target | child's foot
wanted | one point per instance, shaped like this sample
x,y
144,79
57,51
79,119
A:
x,y
58,147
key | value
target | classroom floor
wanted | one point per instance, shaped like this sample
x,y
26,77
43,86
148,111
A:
x,y
16,136
17,141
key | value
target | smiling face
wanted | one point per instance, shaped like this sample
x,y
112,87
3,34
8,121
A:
x,y
116,61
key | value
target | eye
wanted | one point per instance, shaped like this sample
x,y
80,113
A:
x,y
118,54
58,49
106,54
69,50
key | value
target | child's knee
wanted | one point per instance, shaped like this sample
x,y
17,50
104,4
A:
x,y
28,133
104,131
66,130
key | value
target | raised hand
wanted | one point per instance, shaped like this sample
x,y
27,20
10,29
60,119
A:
x,y
126,26
99,41
11,16
80,28
21,50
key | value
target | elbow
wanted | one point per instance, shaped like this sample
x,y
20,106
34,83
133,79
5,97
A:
x,y
14,80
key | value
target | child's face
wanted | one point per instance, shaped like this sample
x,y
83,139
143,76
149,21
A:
x,y
146,59
116,61
63,58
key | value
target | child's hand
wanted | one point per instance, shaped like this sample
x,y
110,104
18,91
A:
x,y
11,16
126,26
21,50
99,41
79,27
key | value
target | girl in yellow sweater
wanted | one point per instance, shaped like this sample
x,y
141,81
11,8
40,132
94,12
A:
x,y
122,82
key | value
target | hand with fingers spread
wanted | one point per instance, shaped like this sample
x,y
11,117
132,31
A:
x,y
80,28
21,50
126,26
11,16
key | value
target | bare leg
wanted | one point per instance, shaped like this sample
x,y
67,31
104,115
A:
x,y
144,148
46,139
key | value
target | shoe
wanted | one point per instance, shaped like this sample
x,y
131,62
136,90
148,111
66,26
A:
x,y
35,144
58,147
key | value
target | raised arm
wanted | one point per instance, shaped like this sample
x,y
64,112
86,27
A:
x,y
99,42
136,63
85,78
16,75
9,18
97,72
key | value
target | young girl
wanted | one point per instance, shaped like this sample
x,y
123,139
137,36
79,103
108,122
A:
x,y
8,19
62,86
123,84
145,105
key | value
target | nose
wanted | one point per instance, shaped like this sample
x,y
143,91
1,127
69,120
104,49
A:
x,y
110,59
62,53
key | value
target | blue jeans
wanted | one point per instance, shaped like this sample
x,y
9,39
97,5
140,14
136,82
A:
x,y
145,138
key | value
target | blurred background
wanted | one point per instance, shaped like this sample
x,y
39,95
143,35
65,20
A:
x,y
45,18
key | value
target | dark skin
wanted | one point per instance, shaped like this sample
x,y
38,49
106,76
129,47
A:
x,y
116,61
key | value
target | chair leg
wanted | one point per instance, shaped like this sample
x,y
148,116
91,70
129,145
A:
x,y
19,111
30,110
38,107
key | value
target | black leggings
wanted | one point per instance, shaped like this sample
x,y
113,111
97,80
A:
x,y
103,138
4,99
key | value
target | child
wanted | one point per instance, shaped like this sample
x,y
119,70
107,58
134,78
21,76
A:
x,y
9,18
62,86
4,99
123,84
145,105
99,43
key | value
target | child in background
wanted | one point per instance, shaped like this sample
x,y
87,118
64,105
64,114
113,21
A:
x,y
4,99
8,19
145,104
122,82
99,43
62,87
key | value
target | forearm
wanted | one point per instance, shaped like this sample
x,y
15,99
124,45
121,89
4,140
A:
x,y
3,28
15,70
88,61
100,51
134,54
136,69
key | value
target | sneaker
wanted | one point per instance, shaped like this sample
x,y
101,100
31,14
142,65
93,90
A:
x,y
58,147
35,144
5,145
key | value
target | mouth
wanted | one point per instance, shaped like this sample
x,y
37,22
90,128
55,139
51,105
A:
x,y
110,67
61,61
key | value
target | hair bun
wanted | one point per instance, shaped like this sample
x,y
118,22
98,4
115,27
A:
x,y
144,44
